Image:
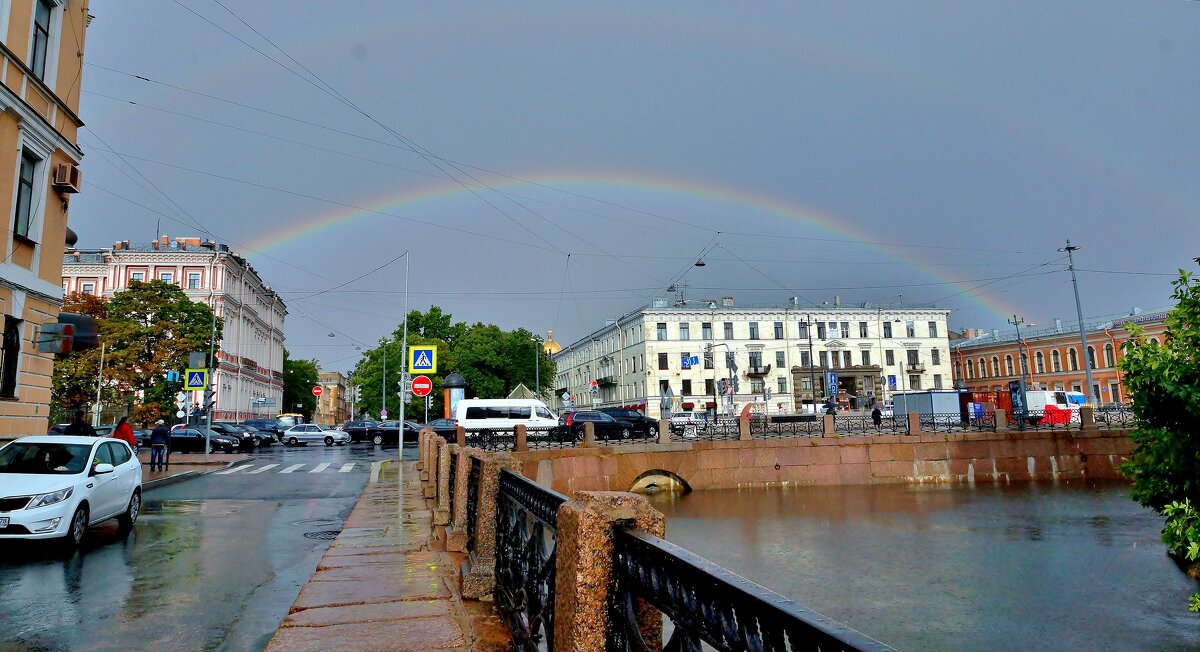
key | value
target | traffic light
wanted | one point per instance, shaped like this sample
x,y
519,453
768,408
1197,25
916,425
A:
x,y
210,398
736,385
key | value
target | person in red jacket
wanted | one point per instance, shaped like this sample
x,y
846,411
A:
x,y
125,433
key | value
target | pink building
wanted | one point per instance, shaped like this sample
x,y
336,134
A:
x,y
250,361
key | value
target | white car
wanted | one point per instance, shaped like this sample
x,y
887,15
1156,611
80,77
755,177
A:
x,y
56,486
311,433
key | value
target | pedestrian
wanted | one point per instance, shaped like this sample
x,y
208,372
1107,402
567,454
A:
x,y
124,432
830,407
876,416
159,439
79,427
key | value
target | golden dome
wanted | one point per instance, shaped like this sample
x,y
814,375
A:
x,y
551,347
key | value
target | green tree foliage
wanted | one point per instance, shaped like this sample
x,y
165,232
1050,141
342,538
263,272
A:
x,y
75,374
299,377
1164,382
492,360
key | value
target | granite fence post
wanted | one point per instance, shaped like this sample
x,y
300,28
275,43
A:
x,y
1001,420
432,452
521,444
421,437
828,426
460,436
479,571
1087,417
914,423
456,536
744,428
664,431
589,434
584,568
441,513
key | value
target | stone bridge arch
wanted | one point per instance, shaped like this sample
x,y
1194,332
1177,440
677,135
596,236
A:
x,y
659,480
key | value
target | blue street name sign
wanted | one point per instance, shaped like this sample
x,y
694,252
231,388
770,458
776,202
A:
x,y
693,361
833,384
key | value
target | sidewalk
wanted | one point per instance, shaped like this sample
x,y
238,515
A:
x,y
381,587
184,466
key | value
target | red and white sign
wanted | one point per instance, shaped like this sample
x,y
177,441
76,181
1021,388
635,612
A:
x,y
318,390
422,386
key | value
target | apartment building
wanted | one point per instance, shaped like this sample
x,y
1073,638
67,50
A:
x,y
1049,357
250,359
677,355
333,405
41,42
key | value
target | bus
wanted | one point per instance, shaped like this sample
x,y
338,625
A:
x,y
290,419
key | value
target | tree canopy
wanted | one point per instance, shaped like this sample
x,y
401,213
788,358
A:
x,y
492,360
299,377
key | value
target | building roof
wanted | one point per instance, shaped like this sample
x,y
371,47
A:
x,y
1060,328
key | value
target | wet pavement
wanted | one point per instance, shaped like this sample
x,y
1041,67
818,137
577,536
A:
x,y
1026,567
214,563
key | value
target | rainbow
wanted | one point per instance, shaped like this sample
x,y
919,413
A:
x,y
730,198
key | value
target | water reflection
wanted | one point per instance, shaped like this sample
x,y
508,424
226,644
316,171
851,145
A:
x,y
1039,566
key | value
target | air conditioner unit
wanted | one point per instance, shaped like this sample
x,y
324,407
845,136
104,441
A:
x,y
67,178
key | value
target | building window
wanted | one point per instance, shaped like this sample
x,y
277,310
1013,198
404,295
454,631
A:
x,y
890,357
166,277
866,358
937,381
41,37
836,360
913,357
683,359
708,359
846,362
1092,356
89,288
756,360
933,329
1055,361
24,214
996,366
1008,365
685,330
1024,363
779,330
833,329
662,362
193,280
845,330
1039,362
935,356
805,359
803,330
137,276
1072,359
706,330
824,356
664,387
806,383
914,382
820,330
1110,356
709,388
910,329
779,361
862,329
10,351
970,369
729,330
757,386
754,330
662,330
729,359
887,329
686,390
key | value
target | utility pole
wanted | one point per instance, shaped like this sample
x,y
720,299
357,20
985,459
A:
x,y
383,410
537,367
404,382
1022,352
212,366
99,384
1087,363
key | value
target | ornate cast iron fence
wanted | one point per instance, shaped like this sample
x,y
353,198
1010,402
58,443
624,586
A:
x,y
710,605
724,428
944,422
1114,416
863,424
787,425
473,500
526,542
1044,420
453,474
505,439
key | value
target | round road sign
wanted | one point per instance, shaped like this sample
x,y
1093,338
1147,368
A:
x,y
318,390
180,414
421,386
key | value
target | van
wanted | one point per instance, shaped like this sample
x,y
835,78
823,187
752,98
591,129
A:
x,y
1053,407
503,414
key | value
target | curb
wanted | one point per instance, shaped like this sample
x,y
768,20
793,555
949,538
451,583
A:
x,y
150,485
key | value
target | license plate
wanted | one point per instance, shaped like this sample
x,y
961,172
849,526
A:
x,y
3,521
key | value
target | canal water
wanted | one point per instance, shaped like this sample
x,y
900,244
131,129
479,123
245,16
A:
x,y
928,567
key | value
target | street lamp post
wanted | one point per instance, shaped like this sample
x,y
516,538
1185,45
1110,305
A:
x,y
537,366
1087,366
1022,350
383,383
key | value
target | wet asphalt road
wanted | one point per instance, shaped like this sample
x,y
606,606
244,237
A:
x,y
214,563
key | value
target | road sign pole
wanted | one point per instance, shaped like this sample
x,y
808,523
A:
x,y
404,356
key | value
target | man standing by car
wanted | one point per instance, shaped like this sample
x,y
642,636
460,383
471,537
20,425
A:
x,y
80,428
158,445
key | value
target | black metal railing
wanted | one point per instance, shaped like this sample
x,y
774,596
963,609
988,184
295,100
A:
x,y
1054,419
505,439
787,425
526,542
944,422
722,428
863,424
708,604
1114,416
473,477
453,474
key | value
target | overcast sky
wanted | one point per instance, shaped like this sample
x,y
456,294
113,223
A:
x,y
883,152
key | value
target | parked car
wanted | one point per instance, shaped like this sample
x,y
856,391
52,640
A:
x,y
688,422
260,438
570,426
245,440
56,486
307,433
360,430
445,427
643,426
190,439
274,426
503,414
142,436
388,432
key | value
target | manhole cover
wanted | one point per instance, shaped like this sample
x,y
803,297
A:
x,y
324,535
318,522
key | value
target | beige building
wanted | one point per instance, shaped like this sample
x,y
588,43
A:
x,y
41,42
780,357
250,359
333,406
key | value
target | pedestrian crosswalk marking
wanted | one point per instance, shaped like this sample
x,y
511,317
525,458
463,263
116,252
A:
x,y
292,468
234,469
324,466
320,467
263,468
346,467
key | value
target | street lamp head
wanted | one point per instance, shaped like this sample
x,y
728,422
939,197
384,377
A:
x,y
700,263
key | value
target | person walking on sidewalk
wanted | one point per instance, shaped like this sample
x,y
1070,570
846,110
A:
x,y
124,432
159,439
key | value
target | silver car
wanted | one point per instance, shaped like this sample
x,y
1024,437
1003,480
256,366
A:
x,y
311,433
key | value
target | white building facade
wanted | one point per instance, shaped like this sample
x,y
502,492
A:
x,y
250,359
779,358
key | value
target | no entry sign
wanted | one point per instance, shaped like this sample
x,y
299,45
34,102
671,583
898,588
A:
x,y
422,386
317,390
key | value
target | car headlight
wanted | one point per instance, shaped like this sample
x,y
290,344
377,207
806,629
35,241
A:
x,y
43,500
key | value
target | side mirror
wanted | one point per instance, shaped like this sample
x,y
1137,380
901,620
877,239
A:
x,y
102,468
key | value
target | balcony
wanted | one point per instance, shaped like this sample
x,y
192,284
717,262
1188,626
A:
x,y
758,371
918,368
607,381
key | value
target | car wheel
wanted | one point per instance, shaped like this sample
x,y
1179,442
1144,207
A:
x,y
377,439
292,441
329,441
626,433
131,512
78,525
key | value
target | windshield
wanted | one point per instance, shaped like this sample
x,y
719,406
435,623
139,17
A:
x,y
44,459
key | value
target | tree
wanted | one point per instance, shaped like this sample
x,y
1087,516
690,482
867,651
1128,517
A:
x,y
1164,382
299,377
75,374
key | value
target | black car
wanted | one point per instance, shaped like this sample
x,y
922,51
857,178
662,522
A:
x,y
643,426
142,437
360,430
570,426
191,440
447,428
246,440
273,426
388,432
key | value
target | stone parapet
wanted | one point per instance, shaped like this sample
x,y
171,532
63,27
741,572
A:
x,y
478,573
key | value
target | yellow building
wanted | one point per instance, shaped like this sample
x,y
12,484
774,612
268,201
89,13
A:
x,y
41,42
332,405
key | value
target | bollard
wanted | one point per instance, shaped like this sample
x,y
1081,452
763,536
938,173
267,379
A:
x,y
456,536
1001,420
460,436
664,431
584,568
1087,417
914,423
828,426
589,435
744,428
441,513
521,444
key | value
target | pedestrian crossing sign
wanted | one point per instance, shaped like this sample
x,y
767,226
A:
x,y
195,380
422,359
